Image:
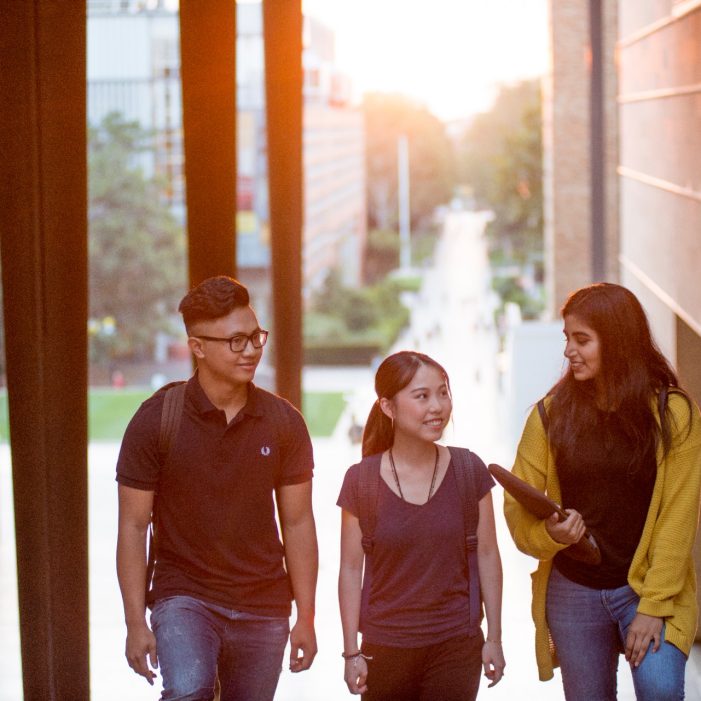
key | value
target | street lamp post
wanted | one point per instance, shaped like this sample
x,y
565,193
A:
x,y
403,201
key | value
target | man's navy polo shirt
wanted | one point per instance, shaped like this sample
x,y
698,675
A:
x,y
216,535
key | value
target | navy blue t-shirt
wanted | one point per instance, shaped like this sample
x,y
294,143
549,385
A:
x,y
419,592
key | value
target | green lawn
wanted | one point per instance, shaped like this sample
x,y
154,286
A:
x,y
4,433
322,411
109,412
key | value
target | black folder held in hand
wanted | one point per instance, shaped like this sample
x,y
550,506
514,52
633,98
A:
x,y
585,550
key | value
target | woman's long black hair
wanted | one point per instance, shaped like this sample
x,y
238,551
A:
x,y
393,375
633,373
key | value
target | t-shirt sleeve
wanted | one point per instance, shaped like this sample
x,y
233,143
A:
x,y
138,465
485,481
348,496
297,459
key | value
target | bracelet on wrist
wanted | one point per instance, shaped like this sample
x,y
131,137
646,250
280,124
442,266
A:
x,y
489,640
354,655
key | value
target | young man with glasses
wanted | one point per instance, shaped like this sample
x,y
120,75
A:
x,y
220,597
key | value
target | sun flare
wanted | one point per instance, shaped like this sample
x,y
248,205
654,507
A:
x,y
449,54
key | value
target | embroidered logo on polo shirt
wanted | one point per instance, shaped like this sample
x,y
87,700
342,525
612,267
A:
x,y
265,450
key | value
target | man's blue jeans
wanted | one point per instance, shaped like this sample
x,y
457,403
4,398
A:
x,y
589,628
196,641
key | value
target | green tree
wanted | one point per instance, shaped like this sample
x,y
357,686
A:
x,y
431,165
501,159
340,314
381,254
137,259
347,303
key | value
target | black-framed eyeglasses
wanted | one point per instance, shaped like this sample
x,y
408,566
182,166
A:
x,y
239,341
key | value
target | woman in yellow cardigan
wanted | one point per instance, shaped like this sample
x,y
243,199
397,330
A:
x,y
619,445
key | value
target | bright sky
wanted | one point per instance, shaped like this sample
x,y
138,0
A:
x,y
450,54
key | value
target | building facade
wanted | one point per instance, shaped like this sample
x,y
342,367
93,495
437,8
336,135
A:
x,y
334,232
580,189
659,102
134,69
650,148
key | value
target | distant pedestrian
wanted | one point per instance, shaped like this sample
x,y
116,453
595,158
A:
x,y
355,431
158,379
418,607
117,379
223,581
618,443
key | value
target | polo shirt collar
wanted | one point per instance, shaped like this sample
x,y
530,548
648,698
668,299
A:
x,y
202,404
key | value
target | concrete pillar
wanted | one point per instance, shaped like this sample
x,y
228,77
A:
x,y
282,34
208,69
580,148
43,243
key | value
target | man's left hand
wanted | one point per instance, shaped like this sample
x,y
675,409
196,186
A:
x,y
302,646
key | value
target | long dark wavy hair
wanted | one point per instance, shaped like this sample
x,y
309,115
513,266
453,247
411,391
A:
x,y
395,372
633,372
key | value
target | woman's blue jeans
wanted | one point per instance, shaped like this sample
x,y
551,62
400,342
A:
x,y
589,628
196,641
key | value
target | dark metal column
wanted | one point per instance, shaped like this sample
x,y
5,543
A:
x,y
282,31
597,141
43,242
208,68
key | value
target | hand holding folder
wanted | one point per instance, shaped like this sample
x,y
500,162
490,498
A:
x,y
585,550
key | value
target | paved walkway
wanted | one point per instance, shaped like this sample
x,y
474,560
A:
x,y
452,322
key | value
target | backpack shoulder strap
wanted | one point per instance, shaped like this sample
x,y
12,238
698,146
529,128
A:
x,y
467,489
543,414
465,477
171,414
368,492
662,402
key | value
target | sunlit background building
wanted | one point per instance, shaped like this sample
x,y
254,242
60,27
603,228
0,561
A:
x,y
623,155
134,69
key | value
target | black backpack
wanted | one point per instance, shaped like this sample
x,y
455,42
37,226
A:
x,y
464,467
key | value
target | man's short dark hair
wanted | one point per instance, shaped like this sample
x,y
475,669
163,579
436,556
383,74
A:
x,y
211,299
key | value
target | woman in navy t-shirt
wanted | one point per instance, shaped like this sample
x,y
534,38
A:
x,y
418,641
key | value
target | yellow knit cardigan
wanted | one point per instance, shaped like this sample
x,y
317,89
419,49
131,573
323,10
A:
x,y
662,571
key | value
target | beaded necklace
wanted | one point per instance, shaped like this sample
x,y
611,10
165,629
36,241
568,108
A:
x,y
396,476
